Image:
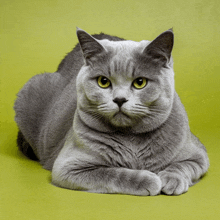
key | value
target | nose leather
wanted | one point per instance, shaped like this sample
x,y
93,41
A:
x,y
120,101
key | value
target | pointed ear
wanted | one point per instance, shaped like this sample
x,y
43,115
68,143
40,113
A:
x,y
160,49
89,45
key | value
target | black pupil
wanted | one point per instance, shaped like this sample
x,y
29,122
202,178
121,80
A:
x,y
139,81
104,80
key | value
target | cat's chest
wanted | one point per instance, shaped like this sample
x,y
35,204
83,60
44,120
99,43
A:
x,y
131,151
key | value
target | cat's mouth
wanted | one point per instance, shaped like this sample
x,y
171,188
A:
x,y
121,113
121,119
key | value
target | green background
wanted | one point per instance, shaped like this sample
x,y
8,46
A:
x,y
36,35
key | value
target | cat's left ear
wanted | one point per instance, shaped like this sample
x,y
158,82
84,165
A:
x,y
91,48
160,49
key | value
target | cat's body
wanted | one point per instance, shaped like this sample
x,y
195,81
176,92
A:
x,y
113,124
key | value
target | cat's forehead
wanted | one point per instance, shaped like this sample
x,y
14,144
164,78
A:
x,y
126,45
122,59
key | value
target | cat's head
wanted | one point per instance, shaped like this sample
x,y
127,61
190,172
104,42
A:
x,y
125,85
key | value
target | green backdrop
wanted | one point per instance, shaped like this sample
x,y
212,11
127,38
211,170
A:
x,y
36,35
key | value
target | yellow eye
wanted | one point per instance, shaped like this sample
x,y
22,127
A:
x,y
103,82
140,83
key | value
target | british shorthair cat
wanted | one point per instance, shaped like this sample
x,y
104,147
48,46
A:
x,y
110,121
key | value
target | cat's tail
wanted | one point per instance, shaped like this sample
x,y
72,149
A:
x,y
25,147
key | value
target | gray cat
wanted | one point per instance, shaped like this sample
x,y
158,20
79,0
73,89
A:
x,y
110,121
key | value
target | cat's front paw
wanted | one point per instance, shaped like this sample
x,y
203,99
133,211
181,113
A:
x,y
147,183
173,183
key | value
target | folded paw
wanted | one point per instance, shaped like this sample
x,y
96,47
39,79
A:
x,y
147,183
173,183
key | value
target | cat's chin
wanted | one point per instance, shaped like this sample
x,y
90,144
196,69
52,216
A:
x,y
120,119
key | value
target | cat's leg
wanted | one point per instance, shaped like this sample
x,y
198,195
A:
x,y
179,176
74,169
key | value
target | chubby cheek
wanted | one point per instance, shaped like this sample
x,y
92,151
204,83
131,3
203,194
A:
x,y
164,101
149,94
94,94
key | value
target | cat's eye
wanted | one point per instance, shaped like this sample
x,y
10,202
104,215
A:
x,y
140,83
103,82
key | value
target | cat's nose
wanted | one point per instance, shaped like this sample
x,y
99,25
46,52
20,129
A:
x,y
120,101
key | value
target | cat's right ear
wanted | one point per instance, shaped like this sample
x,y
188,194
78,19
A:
x,y
90,47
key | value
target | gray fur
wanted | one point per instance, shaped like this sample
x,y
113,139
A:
x,y
141,147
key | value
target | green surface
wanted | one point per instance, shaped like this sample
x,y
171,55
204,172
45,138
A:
x,y
35,36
